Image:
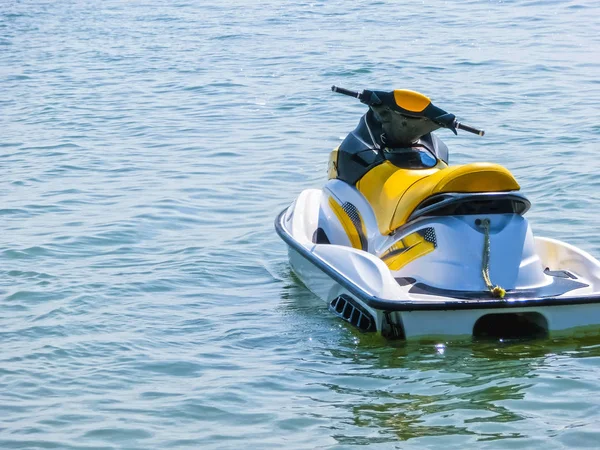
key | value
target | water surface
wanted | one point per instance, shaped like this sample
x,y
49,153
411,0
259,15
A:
x,y
146,147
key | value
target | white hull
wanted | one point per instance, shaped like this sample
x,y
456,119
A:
x,y
360,279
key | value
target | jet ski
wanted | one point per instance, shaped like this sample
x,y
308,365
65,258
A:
x,y
401,243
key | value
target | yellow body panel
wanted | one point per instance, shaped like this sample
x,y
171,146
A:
x,y
411,100
332,168
383,184
477,177
394,193
407,250
347,224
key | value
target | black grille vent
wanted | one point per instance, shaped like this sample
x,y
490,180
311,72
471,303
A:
x,y
346,308
356,219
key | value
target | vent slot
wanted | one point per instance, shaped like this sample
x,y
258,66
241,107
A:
x,y
349,310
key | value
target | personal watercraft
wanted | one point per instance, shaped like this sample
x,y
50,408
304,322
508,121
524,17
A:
x,y
400,242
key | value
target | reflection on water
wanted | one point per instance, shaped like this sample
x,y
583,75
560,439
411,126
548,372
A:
x,y
419,392
469,389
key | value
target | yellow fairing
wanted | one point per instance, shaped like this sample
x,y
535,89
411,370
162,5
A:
x,y
411,100
394,193
353,230
332,168
407,250
383,186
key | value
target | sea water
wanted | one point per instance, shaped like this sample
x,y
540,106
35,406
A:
x,y
145,150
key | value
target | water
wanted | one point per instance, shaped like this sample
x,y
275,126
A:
x,y
146,147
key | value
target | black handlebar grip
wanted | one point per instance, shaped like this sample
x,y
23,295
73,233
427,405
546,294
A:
x,y
464,127
347,92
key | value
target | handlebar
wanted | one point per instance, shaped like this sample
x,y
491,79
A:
x,y
347,92
473,130
367,97
370,98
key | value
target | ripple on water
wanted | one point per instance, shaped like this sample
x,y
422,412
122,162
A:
x,y
147,301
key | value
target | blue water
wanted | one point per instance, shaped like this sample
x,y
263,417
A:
x,y
145,149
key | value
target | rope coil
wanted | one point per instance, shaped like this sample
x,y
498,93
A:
x,y
496,291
